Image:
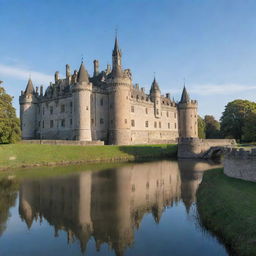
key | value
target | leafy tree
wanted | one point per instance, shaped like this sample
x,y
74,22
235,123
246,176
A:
x,y
234,116
249,129
9,123
201,127
212,127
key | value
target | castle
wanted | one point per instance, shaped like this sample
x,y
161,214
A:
x,y
105,107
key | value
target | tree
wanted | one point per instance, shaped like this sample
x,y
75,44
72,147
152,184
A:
x,y
212,127
234,116
201,127
249,129
9,123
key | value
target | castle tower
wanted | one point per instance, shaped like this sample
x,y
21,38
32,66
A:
x,y
155,95
187,110
28,109
81,92
119,104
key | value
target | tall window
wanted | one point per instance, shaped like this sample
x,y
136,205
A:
x,y
70,122
101,121
51,124
155,124
146,123
146,110
62,108
51,110
160,125
132,108
101,101
132,123
168,125
167,113
63,123
70,106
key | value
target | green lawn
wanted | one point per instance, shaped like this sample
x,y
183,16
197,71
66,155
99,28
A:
x,y
25,155
227,207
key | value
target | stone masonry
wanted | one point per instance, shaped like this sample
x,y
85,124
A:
x,y
106,106
241,164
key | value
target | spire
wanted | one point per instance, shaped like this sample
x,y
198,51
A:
x,y
116,50
30,87
184,97
82,74
154,86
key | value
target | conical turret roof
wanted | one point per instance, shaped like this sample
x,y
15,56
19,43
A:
x,y
82,74
154,86
116,50
185,96
30,87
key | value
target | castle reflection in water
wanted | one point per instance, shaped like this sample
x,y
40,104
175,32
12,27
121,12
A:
x,y
109,205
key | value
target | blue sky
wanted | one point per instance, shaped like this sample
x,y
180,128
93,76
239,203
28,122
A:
x,y
210,43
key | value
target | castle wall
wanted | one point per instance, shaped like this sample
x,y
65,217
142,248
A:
x,y
241,164
55,119
151,129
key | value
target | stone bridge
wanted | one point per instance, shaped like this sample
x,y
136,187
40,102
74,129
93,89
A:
x,y
203,148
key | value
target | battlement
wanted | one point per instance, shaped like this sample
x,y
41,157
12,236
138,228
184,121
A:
x,y
240,153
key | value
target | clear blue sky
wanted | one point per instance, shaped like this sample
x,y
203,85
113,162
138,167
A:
x,y
210,43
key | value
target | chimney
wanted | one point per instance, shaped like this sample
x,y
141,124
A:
x,y
96,67
57,76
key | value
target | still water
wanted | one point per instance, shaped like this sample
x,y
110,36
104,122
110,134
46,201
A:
x,y
134,209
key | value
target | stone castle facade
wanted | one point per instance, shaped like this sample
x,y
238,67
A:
x,y
106,107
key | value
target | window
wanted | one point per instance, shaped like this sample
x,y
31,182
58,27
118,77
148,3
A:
x,y
87,108
168,125
38,123
101,101
157,112
132,123
101,121
111,121
125,121
92,121
175,125
62,108
146,123
43,111
51,110
174,115
146,109
51,124
70,106
43,123
132,108
167,113
159,124
155,124
110,106
63,123
70,122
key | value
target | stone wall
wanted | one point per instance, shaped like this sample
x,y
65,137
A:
x,y
197,148
63,142
241,164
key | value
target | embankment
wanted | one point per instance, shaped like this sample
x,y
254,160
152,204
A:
x,y
227,207
30,155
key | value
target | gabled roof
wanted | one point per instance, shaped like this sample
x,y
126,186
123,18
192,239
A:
x,y
154,86
30,87
82,74
185,96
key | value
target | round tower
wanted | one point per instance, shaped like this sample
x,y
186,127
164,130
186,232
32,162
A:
x,y
119,101
155,95
81,94
28,108
187,111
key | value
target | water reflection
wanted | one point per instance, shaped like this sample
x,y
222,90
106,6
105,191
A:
x,y
109,205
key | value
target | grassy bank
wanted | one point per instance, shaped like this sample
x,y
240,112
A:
x,y
29,155
227,207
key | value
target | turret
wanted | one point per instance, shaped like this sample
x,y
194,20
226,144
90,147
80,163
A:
x,y
155,95
28,102
187,110
57,76
119,101
68,74
82,91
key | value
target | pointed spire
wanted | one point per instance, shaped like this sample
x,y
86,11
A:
x,y
154,86
82,74
185,96
30,87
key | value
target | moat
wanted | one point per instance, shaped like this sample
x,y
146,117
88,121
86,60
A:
x,y
129,209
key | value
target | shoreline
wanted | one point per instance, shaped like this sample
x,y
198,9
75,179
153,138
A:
x,y
226,207
15,156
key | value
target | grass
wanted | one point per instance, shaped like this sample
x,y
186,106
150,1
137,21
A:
x,y
28,155
227,207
